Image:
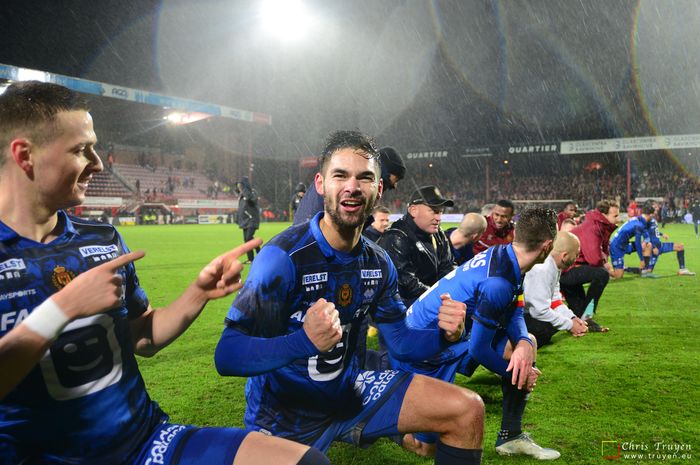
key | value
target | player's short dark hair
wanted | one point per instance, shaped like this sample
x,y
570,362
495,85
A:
x,y
32,106
348,140
569,203
506,204
648,207
381,209
535,226
604,206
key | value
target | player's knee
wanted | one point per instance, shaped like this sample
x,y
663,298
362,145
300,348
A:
x,y
468,409
678,246
313,456
601,276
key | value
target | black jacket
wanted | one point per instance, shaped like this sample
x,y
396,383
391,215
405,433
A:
x,y
371,233
418,263
248,210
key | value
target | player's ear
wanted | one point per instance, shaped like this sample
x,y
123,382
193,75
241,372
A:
x,y
21,153
318,183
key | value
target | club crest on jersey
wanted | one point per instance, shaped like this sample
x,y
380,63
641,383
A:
x,y
99,252
61,277
345,295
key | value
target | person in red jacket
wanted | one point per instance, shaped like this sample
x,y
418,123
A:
x,y
569,212
592,264
499,227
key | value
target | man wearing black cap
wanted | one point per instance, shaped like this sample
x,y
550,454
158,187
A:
x,y
417,246
393,170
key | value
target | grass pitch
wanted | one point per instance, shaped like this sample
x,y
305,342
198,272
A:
x,y
635,390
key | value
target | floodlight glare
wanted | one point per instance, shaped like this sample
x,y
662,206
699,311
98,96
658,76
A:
x,y
175,117
285,19
179,118
24,74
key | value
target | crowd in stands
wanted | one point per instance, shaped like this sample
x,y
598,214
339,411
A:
x,y
585,189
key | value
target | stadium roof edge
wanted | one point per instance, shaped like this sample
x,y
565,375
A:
x,y
14,73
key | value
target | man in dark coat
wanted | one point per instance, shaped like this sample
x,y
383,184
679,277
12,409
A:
x,y
417,246
248,213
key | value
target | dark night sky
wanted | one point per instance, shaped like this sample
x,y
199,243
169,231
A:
x,y
418,75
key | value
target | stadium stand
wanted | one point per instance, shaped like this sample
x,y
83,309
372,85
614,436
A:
x,y
105,184
162,183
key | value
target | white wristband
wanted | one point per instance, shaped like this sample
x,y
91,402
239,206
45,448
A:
x,y
47,320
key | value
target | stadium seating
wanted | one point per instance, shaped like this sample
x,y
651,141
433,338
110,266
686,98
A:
x,y
105,184
156,180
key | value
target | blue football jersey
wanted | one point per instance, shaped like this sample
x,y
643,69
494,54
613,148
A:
x,y
635,228
489,284
294,270
86,397
653,234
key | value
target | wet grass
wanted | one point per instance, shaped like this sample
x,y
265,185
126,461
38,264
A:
x,y
637,384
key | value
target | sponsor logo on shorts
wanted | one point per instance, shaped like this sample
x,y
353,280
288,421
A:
x,y
376,381
314,278
160,446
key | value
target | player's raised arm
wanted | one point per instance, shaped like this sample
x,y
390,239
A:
x,y
155,329
92,292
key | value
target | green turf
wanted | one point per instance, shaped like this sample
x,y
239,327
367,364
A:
x,y
639,383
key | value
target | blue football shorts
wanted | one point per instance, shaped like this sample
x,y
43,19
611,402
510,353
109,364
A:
x,y
173,444
465,365
382,394
617,255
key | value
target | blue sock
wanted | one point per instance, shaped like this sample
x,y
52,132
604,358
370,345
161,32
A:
x,y
514,402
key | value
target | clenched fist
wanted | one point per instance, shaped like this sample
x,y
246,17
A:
x,y
451,317
322,325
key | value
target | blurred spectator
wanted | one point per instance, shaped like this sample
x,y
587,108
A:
x,y
379,224
248,213
499,227
569,212
299,193
462,238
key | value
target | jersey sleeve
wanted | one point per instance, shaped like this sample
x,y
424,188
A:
x,y
639,234
481,348
495,294
261,306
